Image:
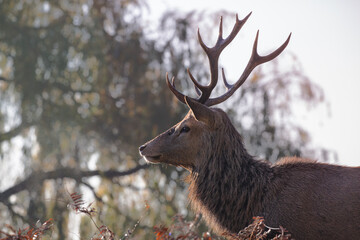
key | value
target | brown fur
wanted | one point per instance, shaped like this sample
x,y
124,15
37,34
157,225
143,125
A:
x,y
228,186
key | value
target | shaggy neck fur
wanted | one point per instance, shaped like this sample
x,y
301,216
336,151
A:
x,y
230,185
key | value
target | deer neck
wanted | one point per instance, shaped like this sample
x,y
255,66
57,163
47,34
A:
x,y
229,187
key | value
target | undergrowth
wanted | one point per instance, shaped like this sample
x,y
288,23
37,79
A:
x,y
180,229
28,233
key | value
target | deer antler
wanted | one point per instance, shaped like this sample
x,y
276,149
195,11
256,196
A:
x,y
213,54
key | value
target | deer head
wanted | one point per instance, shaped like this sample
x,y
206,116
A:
x,y
187,143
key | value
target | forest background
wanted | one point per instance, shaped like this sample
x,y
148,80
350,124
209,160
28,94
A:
x,y
82,85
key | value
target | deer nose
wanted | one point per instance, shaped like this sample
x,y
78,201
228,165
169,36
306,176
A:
x,y
142,147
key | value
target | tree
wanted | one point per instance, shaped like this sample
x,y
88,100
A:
x,y
82,86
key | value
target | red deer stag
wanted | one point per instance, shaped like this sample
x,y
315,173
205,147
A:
x,y
228,186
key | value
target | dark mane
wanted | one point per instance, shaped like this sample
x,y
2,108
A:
x,y
228,176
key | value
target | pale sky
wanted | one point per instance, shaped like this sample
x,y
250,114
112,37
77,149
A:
x,y
326,40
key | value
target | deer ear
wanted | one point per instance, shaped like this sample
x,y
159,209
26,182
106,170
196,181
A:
x,y
201,112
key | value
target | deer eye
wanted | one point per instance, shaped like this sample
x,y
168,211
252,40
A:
x,y
171,131
185,129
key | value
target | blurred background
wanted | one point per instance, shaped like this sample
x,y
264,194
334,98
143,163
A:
x,y
82,86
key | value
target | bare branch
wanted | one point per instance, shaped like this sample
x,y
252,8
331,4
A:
x,y
4,79
38,177
13,213
92,189
14,132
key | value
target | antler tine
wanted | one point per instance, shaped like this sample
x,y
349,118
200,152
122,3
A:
x,y
262,59
221,28
197,85
171,85
254,61
227,85
213,56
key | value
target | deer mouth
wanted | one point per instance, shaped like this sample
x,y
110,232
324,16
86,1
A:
x,y
153,159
